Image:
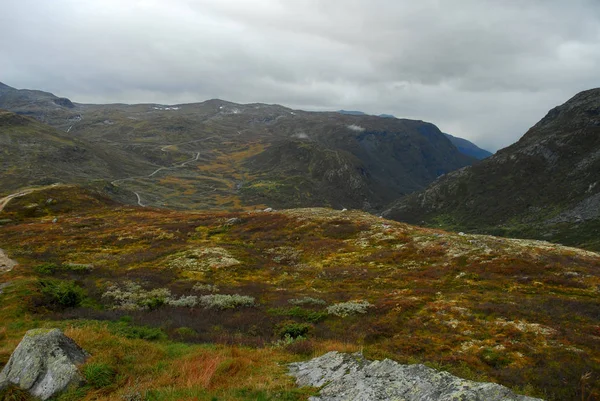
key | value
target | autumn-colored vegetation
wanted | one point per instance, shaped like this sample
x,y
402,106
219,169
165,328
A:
x,y
525,314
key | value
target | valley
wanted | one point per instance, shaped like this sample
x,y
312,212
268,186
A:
x,y
216,243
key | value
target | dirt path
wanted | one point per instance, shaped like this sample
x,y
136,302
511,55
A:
x,y
6,263
173,167
4,201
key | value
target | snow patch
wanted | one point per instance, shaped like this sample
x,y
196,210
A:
x,y
356,128
300,135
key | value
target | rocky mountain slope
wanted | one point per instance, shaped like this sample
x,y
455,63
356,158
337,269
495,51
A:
x,y
223,155
464,146
138,287
468,148
547,185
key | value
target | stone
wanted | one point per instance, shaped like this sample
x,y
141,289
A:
x,y
233,221
345,377
44,363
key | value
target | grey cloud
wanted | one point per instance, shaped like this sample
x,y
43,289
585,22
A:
x,y
481,69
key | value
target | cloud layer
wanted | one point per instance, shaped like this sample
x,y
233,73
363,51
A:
x,y
485,70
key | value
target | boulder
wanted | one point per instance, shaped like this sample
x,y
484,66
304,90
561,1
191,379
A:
x,y
44,363
346,377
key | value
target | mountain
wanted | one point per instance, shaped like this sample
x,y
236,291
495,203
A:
x,y
37,154
5,88
465,147
222,299
222,155
468,148
547,185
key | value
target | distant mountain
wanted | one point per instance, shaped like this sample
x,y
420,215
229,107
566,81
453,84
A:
x,y
5,88
352,112
223,155
465,147
468,148
547,185
43,106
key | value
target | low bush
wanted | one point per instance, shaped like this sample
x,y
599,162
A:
x,y
300,313
58,294
222,301
293,329
47,269
349,308
306,301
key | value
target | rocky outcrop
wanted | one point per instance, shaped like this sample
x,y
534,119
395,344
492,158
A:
x,y
6,263
348,377
44,363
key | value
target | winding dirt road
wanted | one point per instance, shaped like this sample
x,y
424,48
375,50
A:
x,y
4,201
176,166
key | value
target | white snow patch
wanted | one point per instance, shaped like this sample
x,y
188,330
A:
x,y
300,135
356,128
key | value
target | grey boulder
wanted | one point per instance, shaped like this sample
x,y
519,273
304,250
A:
x,y
349,377
44,363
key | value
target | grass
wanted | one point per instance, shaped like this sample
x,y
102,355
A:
x,y
517,312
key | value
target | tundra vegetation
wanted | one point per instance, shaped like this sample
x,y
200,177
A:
x,y
182,305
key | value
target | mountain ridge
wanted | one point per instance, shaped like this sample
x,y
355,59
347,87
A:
x,y
543,186
206,155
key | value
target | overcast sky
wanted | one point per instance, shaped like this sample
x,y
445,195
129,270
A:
x,y
482,70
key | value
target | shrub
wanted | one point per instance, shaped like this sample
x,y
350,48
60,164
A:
x,y
46,268
131,296
304,314
61,294
293,329
205,287
188,301
344,309
306,301
99,375
222,301
185,332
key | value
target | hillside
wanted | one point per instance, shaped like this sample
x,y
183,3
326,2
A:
x,y
37,154
222,155
468,148
178,305
544,186
464,146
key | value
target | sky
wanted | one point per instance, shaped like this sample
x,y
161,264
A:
x,y
479,69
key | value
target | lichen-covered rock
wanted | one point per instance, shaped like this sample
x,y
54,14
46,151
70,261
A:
x,y
44,363
347,377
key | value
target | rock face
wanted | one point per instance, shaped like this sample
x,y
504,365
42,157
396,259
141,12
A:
x,y
352,377
44,363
